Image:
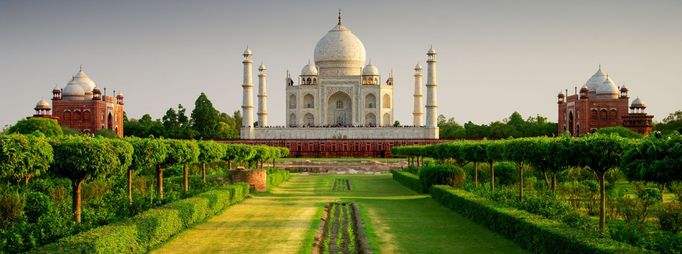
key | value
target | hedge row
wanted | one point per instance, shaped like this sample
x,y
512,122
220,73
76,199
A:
x,y
143,232
530,231
408,180
276,177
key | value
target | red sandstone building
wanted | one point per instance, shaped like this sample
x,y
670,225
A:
x,y
600,103
82,106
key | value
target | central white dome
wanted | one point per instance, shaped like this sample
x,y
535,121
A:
x,y
596,80
340,48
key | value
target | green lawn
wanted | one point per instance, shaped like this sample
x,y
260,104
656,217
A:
x,y
284,221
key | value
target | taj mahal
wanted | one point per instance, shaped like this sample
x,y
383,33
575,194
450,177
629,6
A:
x,y
339,96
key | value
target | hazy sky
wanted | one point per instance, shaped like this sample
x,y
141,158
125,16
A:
x,y
494,57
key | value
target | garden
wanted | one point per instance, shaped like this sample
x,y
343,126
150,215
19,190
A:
x,y
70,193
593,194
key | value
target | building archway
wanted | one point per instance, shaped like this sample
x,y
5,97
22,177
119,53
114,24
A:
x,y
387,101
370,119
370,101
387,119
308,101
292,101
339,109
292,120
110,122
309,119
570,123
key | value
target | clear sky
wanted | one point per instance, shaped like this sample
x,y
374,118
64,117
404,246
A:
x,y
495,57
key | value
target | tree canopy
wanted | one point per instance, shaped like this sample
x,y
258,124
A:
x,y
48,127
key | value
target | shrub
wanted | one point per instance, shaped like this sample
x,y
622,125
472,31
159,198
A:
x,y
276,177
11,208
438,174
670,217
530,231
408,180
37,204
411,169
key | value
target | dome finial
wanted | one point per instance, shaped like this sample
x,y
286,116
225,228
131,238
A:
x,y
81,69
339,16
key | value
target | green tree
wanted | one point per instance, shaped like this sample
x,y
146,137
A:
x,y
81,158
654,159
476,153
149,152
600,153
170,120
48,127
494,150
209,151
180,152
23,157
205,117
106,133
520,151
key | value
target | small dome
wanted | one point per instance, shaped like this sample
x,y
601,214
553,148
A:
x,y
608,88
309,70
73,89
561,94
638,103
42,104
623,88
85,81
57,89
247,52
262,67
120,94
370,70
96,91
596,80
417,67
431,51
584,89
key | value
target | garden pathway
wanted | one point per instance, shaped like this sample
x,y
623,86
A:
x,y
284,221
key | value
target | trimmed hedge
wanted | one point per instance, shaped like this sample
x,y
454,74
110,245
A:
x,y
143,232
408,180
530,231
276,177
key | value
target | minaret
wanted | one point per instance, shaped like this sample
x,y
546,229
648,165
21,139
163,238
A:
x,y
431,96
262,98
418,113
247,100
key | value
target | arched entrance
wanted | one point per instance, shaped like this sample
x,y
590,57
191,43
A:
x,y
371,119
339,109
110,122
570,123
309,119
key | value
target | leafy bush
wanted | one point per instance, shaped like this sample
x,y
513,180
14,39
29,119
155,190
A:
x,y
151,228
530,231
438,174
37,204
11,208
276,177
408,180
411,169
670,217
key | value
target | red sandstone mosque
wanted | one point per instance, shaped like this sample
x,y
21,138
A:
x,y
81,105
599,104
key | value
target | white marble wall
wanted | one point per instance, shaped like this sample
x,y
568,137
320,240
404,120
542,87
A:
x,y
343,133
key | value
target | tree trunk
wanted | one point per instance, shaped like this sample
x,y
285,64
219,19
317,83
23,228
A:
x,y
159,181
26,178
185,183
130,187
544,173
521,181
602,202
228,165
203,173
492,176
554,182
476,174
273,163
76,185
